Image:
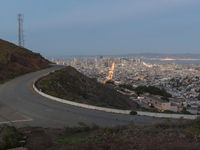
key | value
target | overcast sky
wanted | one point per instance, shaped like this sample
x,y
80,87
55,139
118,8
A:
x,y
95,27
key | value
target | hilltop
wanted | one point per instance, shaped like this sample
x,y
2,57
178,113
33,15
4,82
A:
x,y
15,61
72,85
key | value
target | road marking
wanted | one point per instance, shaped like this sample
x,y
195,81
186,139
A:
x,y
16,121
27,119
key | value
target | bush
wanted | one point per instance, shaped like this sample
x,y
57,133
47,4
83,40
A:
x,y
133,112
9,138
126,86
184,111
152,90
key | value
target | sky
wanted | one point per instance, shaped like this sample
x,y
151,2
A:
x,y
104,27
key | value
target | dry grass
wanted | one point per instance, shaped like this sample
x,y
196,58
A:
x,y
15,61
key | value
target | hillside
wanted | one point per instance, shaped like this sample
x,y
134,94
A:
x,y
168,135
70,84
15,61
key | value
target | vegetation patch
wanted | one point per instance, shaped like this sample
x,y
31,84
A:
x,y
163,136
71,85
147,89
15,61
183,135
152,90
133,112
10,137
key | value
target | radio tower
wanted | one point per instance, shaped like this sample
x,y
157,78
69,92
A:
x,y
20,30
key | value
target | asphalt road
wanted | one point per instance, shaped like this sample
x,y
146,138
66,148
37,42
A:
x,y
27,108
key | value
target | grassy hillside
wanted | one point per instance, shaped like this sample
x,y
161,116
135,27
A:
x,y
16,61
180,135
70,84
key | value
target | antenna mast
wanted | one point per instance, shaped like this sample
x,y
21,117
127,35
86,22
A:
x,y
20,30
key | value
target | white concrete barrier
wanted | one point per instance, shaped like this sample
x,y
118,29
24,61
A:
x,y
111,110
81,105
167,115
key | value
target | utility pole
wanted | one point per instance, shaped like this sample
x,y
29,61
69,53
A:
x,y
20,30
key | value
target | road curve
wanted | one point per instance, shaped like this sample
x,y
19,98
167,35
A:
x,y
19,95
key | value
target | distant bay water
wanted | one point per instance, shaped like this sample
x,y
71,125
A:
x,y
174,61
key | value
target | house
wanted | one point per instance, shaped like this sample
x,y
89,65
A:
x,y
162,105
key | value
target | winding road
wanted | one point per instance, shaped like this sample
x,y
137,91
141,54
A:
x,y
22,106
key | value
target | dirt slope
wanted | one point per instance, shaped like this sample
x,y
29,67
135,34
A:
x,y
15,60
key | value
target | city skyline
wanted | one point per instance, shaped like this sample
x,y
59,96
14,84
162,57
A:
x,y
104,27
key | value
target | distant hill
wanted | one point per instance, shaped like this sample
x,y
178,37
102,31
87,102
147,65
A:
x,y
70,84
15,61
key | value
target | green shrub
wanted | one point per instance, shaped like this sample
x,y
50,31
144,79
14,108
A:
x,y
152,90
9,138
133,112
193,130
